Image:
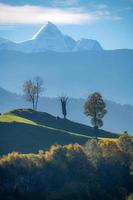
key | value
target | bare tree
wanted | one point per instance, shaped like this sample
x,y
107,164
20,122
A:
x,y
63,100
38,82
32,91
29,90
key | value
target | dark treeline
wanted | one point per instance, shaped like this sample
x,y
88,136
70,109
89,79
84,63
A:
x,y
98,170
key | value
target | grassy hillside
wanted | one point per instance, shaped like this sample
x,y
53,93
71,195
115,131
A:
x,y
118,119
27,131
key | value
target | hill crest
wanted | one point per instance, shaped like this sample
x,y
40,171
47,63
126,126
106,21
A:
x,y
27,131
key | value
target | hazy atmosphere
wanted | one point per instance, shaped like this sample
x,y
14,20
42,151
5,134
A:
x,y
66,100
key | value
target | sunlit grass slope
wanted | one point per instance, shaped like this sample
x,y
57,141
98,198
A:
x,y
9,117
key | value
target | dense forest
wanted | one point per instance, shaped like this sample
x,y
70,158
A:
x,y
100,169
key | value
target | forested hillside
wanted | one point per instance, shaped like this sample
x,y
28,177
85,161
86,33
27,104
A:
x,y
97,170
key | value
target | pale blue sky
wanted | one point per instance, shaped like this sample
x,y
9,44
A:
x,y
108,21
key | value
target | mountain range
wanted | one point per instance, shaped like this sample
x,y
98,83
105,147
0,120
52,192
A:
x,y
50,38
118,119
76,68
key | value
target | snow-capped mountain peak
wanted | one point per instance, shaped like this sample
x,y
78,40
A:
x,y
50,30
50,38
88,44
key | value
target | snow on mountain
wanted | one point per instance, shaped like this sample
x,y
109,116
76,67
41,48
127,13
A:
x,y
7,44
49,31
50,38
70,42
87,44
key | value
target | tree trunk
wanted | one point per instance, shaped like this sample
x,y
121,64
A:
x,y
95,125
95,132
33,105
36,102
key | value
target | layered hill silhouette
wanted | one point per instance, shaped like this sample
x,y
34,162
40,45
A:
x,y
74,67
118,118
28,131
82,68
75,73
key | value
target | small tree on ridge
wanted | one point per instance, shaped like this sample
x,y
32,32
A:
x,y
95,107
63,100
32,91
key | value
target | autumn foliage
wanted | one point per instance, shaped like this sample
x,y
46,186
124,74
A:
x,y
99,170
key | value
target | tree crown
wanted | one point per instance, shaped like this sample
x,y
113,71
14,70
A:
x,y
95,107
